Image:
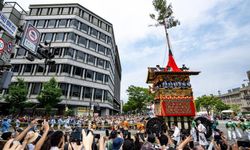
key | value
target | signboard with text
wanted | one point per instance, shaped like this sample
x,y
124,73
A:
x,y
31,38
8,25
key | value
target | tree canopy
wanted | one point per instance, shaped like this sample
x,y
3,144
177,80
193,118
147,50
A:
x,y
17,95
137,98
210,103
50,94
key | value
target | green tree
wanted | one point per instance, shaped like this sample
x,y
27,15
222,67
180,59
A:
x,y
17,95
235,108
162,10
137,99
50,95
210,103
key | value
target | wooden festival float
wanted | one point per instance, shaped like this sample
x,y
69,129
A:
x,y
173,102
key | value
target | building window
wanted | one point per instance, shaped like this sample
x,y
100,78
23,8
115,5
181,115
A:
x,y
16,68
99,77
75,90
57,51
71,37
65,11
98,94
59,37
89,74
86,16
66,68
82,41
100,62
21,52
62,23
108,52
40,23
107,65
84,27
74,23
101,49
28,68
102,37
69,52
53,68
91,59
77,71
88,92
52,24
92,45
34,12
44,11
109,40
36,87
54,11
32,22
95,21
80,56
48,37
40,68
94,32
64,87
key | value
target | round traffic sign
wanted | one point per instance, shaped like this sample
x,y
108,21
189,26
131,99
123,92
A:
x,y
32,34
9,47
2,45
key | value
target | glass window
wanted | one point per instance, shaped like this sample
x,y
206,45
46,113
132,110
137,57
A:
x,y
98,94
40,23
40,68
53,68
84,28
91,59
85,16
100,62
82,41
106,78
109,40
99,76
77,71
27,68
64,87
21,52
57,51
69,52
32,22
108,52
44,11
66,68
36,87
33,12
62,23
48,37
88,92
102,36
65,11
80,55
74,23
94,32
107,65
75,90
16,68
101,49
92,45
59,37
89,74
52,24
95,21
55,11
71,37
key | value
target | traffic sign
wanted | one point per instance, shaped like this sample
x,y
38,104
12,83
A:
x,y
7,25
9,47
2,45
31,38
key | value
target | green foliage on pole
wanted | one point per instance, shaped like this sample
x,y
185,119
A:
x,y
17,95
161,9
235,108
210,103
50,95
138,97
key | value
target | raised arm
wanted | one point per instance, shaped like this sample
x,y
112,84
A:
x,y
22,134
44,136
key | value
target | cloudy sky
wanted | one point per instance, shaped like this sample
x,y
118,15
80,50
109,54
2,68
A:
x,y
214,38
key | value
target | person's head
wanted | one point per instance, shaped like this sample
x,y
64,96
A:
x,y
6,135
128,145
163,139
57,139
199,122
117,143
151,138
113,134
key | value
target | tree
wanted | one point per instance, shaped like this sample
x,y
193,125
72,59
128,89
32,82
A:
x,y
137,99
210,103
235,108
17,95
50,94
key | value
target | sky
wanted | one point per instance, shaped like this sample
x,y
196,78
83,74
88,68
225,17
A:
x,y
214,38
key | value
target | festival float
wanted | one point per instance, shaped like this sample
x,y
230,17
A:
x,y
174,101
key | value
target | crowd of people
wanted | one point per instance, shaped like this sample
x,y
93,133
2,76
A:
x,y
121,133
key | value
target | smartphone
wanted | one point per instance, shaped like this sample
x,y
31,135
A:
x,y
40,121
107,132
97,136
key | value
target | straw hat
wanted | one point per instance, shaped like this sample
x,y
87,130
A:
x,y
33,136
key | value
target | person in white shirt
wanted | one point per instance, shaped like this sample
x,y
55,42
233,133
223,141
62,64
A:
x,y
202,131
176,136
